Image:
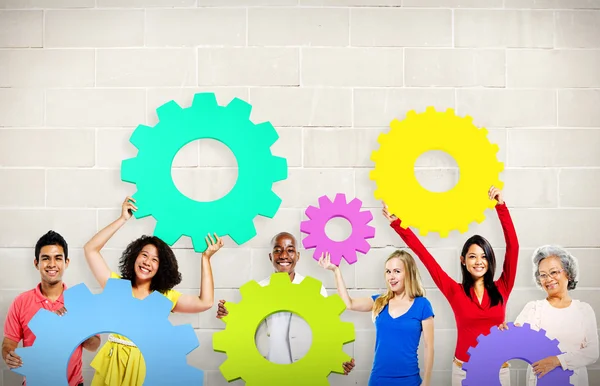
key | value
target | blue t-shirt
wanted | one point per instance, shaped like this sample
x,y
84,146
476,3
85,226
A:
x,y
397,341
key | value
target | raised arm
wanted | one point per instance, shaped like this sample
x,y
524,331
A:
x,y
191,304
441,279
511,258
93,247
355,304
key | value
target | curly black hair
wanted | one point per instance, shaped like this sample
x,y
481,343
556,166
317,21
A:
x,y
166,277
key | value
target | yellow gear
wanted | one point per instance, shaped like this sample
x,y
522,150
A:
x,y
329,333
429,211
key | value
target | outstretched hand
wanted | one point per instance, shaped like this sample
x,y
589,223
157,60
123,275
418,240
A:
x,y
390,217
127,208
325,262
221,310
496,194
348,366
213,245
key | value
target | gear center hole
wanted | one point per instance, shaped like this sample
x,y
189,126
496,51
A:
x,y
285,338
436,171
214,176
338,229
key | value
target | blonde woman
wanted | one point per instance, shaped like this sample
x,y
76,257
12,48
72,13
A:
x,y
400,315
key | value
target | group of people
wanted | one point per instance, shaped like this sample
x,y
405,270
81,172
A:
x,y
403,317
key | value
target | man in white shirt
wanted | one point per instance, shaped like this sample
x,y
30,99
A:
x,y
283,326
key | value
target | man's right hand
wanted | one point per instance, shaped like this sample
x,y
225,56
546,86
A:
x,y
13,360
221,310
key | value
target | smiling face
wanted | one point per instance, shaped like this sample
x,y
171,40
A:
x,y
284,255
553,277
51,263
475,261
146,263
394,275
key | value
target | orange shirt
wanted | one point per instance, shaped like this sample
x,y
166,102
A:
x,y
22,310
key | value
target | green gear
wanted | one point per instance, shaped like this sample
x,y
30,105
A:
x,y
233,214
329,333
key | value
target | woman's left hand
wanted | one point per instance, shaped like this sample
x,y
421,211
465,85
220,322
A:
x,y
496,194
213,246
543,367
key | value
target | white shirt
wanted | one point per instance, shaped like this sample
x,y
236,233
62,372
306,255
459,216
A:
x,y
279,332
576,330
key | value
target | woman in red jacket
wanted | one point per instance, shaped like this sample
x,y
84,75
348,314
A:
x,y
479,302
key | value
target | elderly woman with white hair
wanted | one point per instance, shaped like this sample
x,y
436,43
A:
x,y
571,321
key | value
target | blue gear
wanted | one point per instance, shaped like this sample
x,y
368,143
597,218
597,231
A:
x,y
233,214
145,322
522,343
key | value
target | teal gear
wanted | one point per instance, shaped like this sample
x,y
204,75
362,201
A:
x,y
233,214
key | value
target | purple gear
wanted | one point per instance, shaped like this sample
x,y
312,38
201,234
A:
x,y
327,210
521,343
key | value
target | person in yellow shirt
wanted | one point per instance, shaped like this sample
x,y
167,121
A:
x,y
151,266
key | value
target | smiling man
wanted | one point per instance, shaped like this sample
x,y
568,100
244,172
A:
x,y
51,259
283,328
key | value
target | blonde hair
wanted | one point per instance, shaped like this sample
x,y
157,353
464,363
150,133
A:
x,y
413,287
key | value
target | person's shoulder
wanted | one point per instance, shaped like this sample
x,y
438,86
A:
x,y
422,300
25,296
583,306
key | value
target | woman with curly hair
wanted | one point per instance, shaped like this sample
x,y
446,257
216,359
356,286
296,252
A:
x,y
150,264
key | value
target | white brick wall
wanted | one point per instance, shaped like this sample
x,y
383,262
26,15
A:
x,y
77,76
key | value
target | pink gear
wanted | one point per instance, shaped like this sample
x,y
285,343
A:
x,y
317,238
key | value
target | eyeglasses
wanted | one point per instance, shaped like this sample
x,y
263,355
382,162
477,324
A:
x,y
553,274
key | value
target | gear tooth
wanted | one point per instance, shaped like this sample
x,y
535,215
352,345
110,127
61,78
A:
x,y
141,136
130,170
495,148
248,290
355,205
324,202
168,110
340,199
542,331
186,338
203,100
377,194
346,332
335,304
312,212
469,119
307,227
410,114
465,367
158,304
350,257
373,175
430,109
365,216
166,233
461,229
230,370
450,111
470,350
480,218
526,325
242,232
369,233
269,205
381,138
78,294
374,156
309,242
310,284
220,341
423,232
267,133
483,130
41,320
443,233
239,108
